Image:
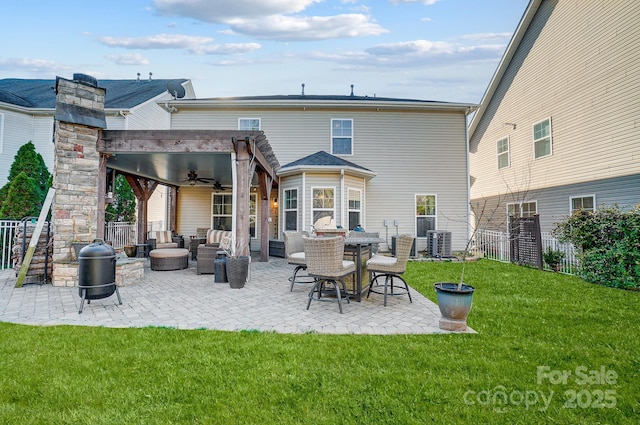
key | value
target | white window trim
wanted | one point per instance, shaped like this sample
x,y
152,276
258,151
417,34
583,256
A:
x,y
508,152
335,201
352,137
213,196
415,216
571,198
285,210
255,215
248,118
520,208
349,189
1,133
550,138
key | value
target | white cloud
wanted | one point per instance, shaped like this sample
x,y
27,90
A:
x,y
220,11
226,49
128,59
28,64
425,2
160,41
485,36
307,28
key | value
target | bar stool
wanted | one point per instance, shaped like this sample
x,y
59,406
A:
x,y
390,268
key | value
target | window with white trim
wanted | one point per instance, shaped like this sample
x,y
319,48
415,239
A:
x,y
342,136
542,139
425,214
291,210
582,203
323,204
222,212
354,208
521,209
502,150
249,124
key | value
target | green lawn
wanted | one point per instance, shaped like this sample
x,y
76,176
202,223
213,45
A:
x,y
534,328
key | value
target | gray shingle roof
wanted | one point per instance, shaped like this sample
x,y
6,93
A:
x,y
323,158
120,94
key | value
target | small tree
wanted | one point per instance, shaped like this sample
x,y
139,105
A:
x,y
123,208
23,199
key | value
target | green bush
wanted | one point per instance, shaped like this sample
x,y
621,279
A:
x,y
608,241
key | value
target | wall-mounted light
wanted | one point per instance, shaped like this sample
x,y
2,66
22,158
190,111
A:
x,y
512,124
275,201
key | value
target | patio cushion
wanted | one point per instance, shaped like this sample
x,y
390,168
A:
x,y
215,236
169,253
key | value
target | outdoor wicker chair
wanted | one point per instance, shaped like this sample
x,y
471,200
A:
x,y
324,258
390,268
294,252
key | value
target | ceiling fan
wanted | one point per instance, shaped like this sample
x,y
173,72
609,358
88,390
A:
x,y
193,178
219,187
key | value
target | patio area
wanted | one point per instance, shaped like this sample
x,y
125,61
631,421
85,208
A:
x,y
183,299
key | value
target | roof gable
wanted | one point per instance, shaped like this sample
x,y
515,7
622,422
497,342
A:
x,y
324,162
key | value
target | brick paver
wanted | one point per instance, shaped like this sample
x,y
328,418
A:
x,y
185,300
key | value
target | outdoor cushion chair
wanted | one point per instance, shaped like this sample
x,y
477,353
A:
x,y
159,239
324,258
294,252
390,268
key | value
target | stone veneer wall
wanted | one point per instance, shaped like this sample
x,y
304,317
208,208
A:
x,y
75,171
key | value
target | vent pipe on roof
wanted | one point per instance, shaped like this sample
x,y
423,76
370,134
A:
x,y
351,89
138,79
303,89
150,74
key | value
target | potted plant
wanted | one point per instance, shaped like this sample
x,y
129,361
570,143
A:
x,y
553,258
237,267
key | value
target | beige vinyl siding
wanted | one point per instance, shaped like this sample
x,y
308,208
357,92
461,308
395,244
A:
x,y
149,115
19,129
411,152
579,64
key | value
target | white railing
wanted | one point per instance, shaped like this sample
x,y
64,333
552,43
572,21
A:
x,y
155,226
496,246
120,234
7,231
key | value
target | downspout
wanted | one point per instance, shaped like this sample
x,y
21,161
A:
x,y
342,222
470,224
304,202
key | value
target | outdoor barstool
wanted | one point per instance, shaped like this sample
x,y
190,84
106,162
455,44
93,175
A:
x,y
324,258
390,268
294,251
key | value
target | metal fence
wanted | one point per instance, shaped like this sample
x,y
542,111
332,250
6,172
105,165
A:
x,y
7,232
120,234
496,245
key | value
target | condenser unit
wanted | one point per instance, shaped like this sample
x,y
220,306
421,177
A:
x,y
438,243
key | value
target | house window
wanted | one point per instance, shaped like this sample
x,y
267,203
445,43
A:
x,y
542,138
341,137
222,215
502,149
425,214
253,215
522,209
355,208
222,211
291,210
1,132
582,203
323,206
249,124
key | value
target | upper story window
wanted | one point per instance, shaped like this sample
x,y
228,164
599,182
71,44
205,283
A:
x,y
323,206
291,209
425,214
583,203
355,208
502,150
249,124
341,137
1,132
542,138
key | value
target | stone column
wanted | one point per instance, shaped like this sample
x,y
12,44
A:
x,y
79,118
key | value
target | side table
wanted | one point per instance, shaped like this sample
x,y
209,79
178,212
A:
x,y
142,250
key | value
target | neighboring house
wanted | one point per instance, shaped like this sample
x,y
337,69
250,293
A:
x,y
390,165
27,108
558,128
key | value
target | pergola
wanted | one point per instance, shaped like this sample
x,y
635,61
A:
x,y
148,158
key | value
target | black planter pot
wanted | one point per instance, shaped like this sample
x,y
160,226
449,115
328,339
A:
x,y
454,304
237,271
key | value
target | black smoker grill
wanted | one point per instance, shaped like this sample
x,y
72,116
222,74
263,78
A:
x,y
97,272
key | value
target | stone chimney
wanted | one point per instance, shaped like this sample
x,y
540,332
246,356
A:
x,y
79,118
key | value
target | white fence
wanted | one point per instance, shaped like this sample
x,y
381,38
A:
x,y
496,246
120,234
7,231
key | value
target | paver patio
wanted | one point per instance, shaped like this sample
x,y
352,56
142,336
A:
x,y
185,300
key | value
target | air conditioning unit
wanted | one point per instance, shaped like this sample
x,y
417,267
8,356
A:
x,y
393,247
438,243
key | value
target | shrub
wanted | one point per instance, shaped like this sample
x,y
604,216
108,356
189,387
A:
x,y
608,243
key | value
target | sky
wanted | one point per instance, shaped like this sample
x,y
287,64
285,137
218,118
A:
x,y
444,50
